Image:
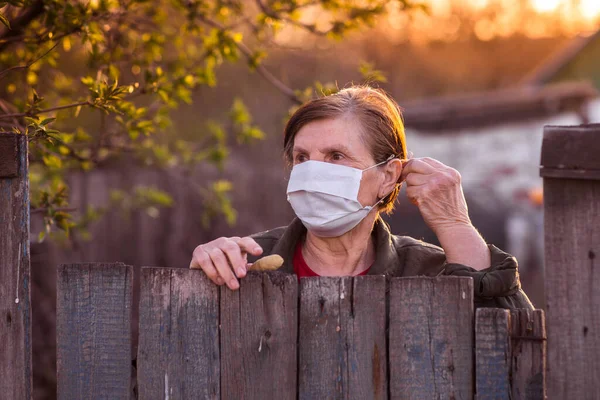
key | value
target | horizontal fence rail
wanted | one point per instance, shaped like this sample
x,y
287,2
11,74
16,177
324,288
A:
x,y
274,338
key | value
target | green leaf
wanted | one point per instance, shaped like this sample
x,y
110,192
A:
x,y
46,121
239,113
370,74
4,20
52,161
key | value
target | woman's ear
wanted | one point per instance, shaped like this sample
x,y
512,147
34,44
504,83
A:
x,y
392,172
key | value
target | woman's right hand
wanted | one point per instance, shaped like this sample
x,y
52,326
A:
x,y
224,259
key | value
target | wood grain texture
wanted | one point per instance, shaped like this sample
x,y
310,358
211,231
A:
x,y
431,338
492,354
572,241
178,350
93,331
342,345
9,155
259,329
15,295
572,150
528,354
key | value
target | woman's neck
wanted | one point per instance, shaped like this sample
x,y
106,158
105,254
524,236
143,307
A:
x,y
346,255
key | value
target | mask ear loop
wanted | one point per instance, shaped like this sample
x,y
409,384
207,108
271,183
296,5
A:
x,y
390,158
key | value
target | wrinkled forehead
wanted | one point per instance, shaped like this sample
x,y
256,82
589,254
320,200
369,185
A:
x,y
344,132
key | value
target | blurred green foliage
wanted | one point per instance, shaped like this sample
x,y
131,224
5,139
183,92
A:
x,y
91,81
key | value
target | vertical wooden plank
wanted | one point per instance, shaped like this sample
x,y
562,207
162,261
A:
x,y
571,171
431,338
178,350
572,242
492,354
367,351
342,351
93,331
528,354
259,330
15,297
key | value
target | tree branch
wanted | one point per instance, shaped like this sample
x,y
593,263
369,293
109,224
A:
x,y
46,110
29,64
41,210
273,14
272,79
20,23
245,50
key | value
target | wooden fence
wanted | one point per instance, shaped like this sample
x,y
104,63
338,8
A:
x,y
571,171
364,337
275,338
15,299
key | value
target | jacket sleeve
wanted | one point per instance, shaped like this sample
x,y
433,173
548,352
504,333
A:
x,y
496,286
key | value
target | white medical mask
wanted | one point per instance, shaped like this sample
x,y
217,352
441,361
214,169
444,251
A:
x,y
325,196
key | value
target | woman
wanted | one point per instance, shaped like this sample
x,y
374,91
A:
x,y
348,150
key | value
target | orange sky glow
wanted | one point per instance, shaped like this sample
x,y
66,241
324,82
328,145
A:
x,y
500,18
450,20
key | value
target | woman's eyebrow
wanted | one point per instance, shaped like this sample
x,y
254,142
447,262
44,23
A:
x,y
298,149
337,148
327,150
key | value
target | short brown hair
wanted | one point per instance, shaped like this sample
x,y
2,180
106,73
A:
x,y
378,114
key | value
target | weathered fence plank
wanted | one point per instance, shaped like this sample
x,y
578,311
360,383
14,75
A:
x,y
178,350
571,171
15,297
528,354
431,338
93,330
259,332
492,354
342,345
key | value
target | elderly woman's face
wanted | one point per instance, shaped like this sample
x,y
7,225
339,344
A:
x,y
339,141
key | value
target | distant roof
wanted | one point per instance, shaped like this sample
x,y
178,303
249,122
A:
x,y
496,107
557,61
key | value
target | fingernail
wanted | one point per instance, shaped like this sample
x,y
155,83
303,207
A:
x,y
220,281
233,284
241,272
257,249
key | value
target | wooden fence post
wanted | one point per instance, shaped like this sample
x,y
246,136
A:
x,y
342,338
431,338
178,350
492,354
93,331
570,166
259,335
15,297
528,354
510,354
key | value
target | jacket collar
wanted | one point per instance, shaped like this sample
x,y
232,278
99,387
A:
x,y
386,257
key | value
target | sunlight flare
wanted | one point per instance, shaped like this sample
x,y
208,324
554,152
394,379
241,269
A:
x,y
545,5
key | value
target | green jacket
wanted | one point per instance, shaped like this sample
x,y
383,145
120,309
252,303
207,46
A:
x,y
401,256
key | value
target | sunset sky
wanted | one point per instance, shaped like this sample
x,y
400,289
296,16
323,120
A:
x,y
451,20
589,9
500,18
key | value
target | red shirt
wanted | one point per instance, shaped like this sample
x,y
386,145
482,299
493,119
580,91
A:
x,y
301,268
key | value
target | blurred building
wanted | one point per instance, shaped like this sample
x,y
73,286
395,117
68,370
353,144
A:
x,y
494,139
578,60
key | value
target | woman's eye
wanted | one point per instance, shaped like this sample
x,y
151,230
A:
x,y
337,156
300,158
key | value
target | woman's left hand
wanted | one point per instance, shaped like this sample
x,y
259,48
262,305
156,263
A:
x,y
436,189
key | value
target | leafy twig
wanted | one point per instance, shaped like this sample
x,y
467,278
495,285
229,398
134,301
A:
x,y
46,110
41,210
29,64
272,79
